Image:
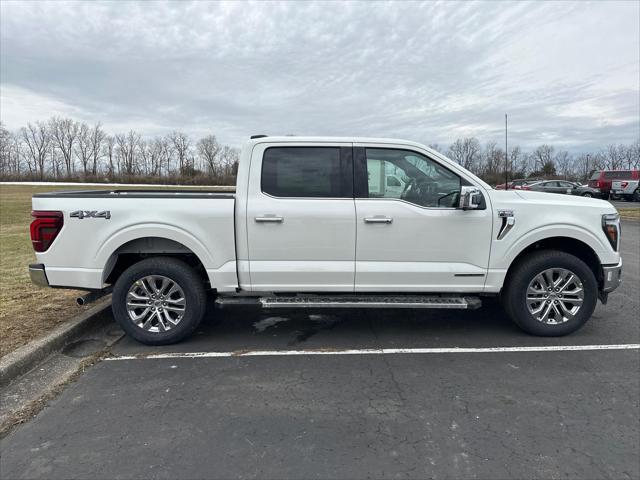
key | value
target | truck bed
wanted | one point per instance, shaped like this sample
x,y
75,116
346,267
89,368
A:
x,y
98,224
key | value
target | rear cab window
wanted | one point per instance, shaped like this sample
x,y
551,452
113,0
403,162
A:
x,y
307,172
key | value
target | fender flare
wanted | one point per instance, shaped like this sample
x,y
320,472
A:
x,y
546,232
135,232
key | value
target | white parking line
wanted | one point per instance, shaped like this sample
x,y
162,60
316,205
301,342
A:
x,y
377,351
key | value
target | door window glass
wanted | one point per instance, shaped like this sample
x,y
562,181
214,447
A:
x,y
618,174
409,176
304,172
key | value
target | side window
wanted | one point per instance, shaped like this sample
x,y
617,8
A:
x,y
409,176
622,174
306,172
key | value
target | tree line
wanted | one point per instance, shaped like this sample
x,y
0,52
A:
x,y
65,149
62,148
545,161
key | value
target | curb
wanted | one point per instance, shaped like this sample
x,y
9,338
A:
x,y
25,358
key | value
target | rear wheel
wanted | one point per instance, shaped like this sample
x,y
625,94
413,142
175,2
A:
x,y
550,293
587,194
636,195
159,300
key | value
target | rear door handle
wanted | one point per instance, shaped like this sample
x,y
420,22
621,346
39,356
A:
x,y
269,219
378,219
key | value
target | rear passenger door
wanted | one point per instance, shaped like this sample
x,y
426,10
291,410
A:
x,y
301,218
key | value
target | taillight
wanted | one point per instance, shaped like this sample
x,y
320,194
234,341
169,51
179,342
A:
x,y
45,228
524,187
599,184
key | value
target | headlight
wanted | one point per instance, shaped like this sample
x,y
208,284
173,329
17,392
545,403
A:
x,y
611,228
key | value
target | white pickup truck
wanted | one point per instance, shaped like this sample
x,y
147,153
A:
x,y
306,229
627,189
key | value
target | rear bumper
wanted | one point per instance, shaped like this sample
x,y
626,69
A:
x,y
38,275
612,277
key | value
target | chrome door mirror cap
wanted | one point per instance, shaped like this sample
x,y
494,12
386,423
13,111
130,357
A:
x,y
470,198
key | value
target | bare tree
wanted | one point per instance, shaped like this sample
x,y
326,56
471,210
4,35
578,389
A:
x,y
541,156
493,159
181,146
208,149
153,152
12,152
128,145
229,158
64,132
97,137
6,138
36,138
83,147
564,163
109,150
466,152
613,157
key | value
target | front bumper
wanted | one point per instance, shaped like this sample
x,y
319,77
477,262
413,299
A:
x,y
38,275
612,277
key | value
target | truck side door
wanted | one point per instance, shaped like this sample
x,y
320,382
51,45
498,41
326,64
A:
x,y
300,218
417,240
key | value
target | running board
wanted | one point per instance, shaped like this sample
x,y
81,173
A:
x,y
357,301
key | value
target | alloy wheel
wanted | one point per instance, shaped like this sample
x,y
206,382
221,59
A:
x,y
156,303
555,296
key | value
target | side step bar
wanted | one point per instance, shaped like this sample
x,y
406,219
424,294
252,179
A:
x,y
357,301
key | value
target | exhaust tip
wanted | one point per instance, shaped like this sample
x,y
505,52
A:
x,y
80,301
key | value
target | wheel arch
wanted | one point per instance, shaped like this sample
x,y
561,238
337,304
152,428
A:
x,y
569,245
132,251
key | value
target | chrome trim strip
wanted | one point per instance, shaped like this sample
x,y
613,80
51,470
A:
x,y
612,277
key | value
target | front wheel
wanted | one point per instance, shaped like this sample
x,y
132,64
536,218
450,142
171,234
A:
x,y
550,293
159,301
587,194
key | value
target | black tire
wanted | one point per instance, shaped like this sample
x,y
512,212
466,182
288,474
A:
x,y
636,195
517,282
587,194
179,272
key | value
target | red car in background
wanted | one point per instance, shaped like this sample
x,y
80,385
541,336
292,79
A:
x,y
602,179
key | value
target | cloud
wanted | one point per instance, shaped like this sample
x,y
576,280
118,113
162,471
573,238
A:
x,y
565,72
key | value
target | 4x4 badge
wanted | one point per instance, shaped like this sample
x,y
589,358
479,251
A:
x,y
106,214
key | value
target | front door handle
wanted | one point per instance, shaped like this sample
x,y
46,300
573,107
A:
x,y
378,219
269,219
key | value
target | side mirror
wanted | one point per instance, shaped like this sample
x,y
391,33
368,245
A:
x,y
470,198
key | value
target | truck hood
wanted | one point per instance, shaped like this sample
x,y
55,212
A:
x,y
543,200
549,204
557,198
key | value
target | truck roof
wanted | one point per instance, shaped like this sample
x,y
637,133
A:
x,y
322,139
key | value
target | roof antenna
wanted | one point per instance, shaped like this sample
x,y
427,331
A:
x,y
506,156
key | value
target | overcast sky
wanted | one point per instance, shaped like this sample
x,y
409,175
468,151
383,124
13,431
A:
x,y
567,73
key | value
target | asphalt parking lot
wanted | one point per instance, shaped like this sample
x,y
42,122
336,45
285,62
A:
x,y
494,413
